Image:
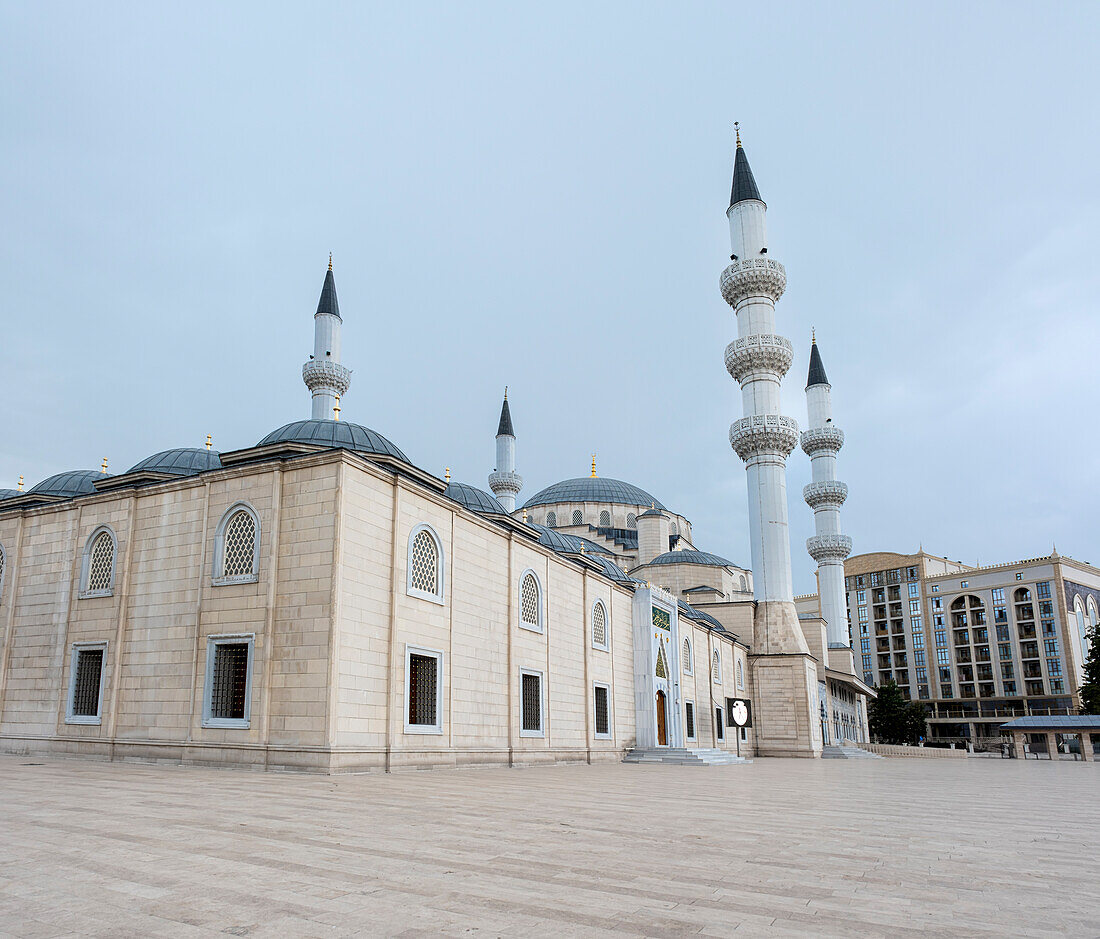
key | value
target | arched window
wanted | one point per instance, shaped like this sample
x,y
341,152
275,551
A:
x,y
599,625
237,546
97,573
1022,595
744,584
716,667
530,602
425,567
631,520
674,529
740,675
685,654
605,519
551,519
578,517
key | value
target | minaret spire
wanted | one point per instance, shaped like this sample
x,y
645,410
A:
x,y
323,374
825,495
504,480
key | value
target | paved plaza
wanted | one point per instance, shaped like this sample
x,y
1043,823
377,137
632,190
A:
x,y
778,847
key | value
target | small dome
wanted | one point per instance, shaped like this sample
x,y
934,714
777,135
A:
x,y
334,434
185,461
611,570
651,513
566,544
10,494
476,500
593,489
67,485
691,557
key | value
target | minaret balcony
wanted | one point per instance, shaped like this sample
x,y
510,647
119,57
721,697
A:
x,y
326,376
822,440
760,434
762,353
753,277
829,547
827,492
503,481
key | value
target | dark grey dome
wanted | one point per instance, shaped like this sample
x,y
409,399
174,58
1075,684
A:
x,y
476,500
10,494
611,569
691,557
334,434
566,544
184,461
67,485
593,489
699,616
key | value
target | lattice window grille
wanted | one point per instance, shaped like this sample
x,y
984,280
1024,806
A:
x,y
686,656
599,625
425,563
102,562
529,601
230,681
423,688
605,519
662,667
716,668
740,675
631,520
531,701
603,714
89,672
578,517
689,720
239,545
551,519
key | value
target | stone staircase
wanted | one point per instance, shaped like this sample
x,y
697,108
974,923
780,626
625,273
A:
x,y
683,756
845,752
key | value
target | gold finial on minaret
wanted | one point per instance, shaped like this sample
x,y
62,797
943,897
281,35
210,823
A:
x,y
593,466
209,441
505,392
446,474
20,483
737,130
813,336
330,260
103,468
336,409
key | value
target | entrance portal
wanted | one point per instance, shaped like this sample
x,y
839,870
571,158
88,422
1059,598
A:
x,y
662,720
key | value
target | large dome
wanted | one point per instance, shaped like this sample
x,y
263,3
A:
x,y
692,557
592,489
67,485
476,500
185,461
339,434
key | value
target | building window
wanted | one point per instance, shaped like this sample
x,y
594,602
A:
x,y
716,667
744,584
423,691
530,602
530,697
740,675
98,566
935,588
86,683
237,546
685,654
1019,575
2,558
689,719
631,520
719,724
963,584
425,565
578,518
599,625
1042,590
914,590
605,519
551,519
228,698
601,703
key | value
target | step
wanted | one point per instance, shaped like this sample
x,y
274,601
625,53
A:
x,y
683,756
848,753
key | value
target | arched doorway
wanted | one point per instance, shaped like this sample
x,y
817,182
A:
x,y
662,720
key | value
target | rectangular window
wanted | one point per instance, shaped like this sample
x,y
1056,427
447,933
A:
x,y
914,590
86,683
946,692
1006,670
866,663
914,607
943,657
862,614
999,594
602,707
744,734
530,696
689,719
1010,688
228,701
1043,590
916,624
423,691
935,588
1054,666
861,596
1048,627
918,657
1050,646
937,603
719,726
1019,576
964,584
918,640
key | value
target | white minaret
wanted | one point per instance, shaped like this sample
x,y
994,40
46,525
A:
x,y
323,374
504,480
825,495
764,438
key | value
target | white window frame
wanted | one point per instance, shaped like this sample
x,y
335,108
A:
x,y
740,675
217,575
77,647
606,646
440,567
744,732
688,665
212,642
539,606
437,727
719,725
86,564
716,674
694,736
610,716
541,732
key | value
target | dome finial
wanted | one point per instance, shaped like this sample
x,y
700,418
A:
x,y
209,441
103,468
336,409
446,474
525,516
593,476
20,483
330,260
737,130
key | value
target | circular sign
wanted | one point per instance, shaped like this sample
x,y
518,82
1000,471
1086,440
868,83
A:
x,y
740,713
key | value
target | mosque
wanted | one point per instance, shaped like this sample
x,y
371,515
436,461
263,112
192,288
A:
x,y
317,602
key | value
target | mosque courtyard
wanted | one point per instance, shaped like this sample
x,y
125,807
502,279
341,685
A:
x,y
779,847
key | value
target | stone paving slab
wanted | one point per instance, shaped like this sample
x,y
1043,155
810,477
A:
x,y
777,848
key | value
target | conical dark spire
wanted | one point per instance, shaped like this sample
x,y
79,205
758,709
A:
x,y
817,369
504,428
328,302
744,185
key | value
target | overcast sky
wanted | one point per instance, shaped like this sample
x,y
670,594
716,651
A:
x,y
534,195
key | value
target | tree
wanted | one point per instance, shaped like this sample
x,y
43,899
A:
x,y
1090,688
893,718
